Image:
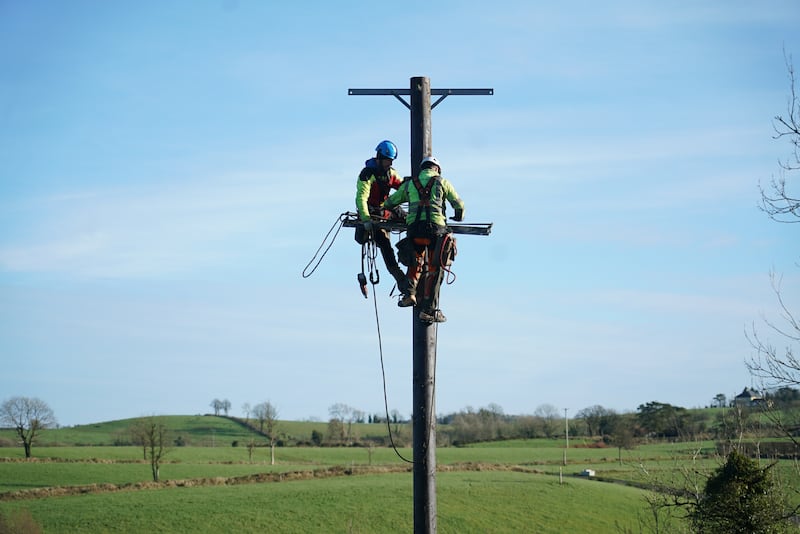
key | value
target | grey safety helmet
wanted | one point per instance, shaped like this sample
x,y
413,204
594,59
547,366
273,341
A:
x,y
429,162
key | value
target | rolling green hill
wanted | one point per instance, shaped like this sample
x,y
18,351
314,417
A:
x,y
198,430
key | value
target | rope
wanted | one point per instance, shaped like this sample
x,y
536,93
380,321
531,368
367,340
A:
x,y
368,256
450,277
380,349
340,220
432,418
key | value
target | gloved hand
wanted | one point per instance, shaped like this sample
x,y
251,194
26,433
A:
x,y
459,216
368,229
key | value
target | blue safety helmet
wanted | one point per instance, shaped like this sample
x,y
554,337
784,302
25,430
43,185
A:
x,y
386,150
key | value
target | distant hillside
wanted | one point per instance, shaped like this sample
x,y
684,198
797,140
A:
x,y
195,430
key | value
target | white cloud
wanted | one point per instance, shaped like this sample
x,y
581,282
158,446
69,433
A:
x,y
149,230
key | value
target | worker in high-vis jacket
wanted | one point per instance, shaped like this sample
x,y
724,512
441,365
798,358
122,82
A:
x,y
375,182
428,236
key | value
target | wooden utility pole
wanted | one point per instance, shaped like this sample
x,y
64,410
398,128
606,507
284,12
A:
x,y
566,434
424,334
424,344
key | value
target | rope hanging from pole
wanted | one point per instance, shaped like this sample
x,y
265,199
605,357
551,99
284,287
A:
x,y
383,375
369,271
340,220
368,255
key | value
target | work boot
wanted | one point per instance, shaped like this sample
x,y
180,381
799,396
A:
x,y
432,316
406,300
406,288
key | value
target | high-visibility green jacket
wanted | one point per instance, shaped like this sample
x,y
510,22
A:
x,y
373,186
440,191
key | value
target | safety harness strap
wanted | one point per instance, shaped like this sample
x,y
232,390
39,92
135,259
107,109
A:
x,y
424,196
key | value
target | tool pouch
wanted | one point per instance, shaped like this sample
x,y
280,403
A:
x,y
405,252
360,235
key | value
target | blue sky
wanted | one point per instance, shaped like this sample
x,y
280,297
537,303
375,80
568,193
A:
x,y
169,168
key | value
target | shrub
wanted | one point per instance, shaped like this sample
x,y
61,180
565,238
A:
x,y
741,497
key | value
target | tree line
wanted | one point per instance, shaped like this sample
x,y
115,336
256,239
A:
x,y
651,420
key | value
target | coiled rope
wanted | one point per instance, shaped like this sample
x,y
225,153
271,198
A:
x,y
340,222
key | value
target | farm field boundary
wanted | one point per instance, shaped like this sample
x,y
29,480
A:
x,y
258,478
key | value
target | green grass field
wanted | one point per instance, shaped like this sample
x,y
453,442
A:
x,y
511,486
485,501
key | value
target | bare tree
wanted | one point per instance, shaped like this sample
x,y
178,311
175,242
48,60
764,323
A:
x,y
776,367
216,405
777,199
226,406
598,419
549,418
138,431
335,431
267,416
342,413
251,445
27,416
247,410
622,434
156,443
780,366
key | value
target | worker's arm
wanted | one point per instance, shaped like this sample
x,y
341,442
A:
x,y
363,188
396,198
452,196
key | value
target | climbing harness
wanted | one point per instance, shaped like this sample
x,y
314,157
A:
x,y
425,196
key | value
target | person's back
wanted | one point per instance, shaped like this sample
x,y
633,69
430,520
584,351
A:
x,y
427,228
427,199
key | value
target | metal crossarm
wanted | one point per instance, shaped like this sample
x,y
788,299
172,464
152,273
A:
x,y
352,221
354,92
441,93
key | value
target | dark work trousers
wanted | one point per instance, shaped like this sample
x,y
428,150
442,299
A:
x,y
429,241
383,242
